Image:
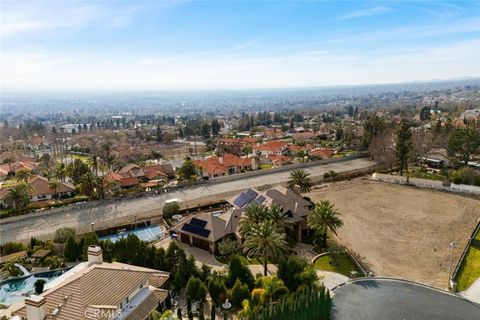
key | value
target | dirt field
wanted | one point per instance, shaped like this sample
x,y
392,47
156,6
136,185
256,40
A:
x,y
402,231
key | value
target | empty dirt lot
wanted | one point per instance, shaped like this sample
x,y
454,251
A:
x,y
402,231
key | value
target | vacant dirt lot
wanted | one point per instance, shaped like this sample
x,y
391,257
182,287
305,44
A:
x,y
402,231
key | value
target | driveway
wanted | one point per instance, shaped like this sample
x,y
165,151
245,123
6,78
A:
x,y
118,212
381,299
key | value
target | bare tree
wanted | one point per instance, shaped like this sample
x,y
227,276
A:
x,y
382,148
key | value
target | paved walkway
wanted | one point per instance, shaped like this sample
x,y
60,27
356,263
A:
x,y
472,293
331,279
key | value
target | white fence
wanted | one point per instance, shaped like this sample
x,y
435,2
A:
x,y
425,183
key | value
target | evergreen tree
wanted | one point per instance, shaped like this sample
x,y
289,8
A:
x,y
70,250
404,146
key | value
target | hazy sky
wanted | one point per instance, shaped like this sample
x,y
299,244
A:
x,y
137,45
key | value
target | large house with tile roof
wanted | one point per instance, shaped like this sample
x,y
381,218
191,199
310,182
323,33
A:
x,y
214,166
97,290
207,229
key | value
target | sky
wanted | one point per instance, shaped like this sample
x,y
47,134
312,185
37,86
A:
x,y
171,45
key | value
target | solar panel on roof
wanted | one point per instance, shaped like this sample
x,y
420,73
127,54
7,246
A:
x,y
241,200
251,194
259,199
196,230
198,222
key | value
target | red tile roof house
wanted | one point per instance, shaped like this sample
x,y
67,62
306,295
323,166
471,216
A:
x,y
40,189
132,175
207,229
322,153
234,145
24,164
275,147
274,160
213,167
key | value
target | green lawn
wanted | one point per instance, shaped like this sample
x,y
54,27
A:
x,y
470,270
416,172
344,264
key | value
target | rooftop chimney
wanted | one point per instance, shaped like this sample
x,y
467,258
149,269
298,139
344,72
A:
x,y
94,255
35,306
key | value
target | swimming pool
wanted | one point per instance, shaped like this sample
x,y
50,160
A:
x,y
146,234
15,290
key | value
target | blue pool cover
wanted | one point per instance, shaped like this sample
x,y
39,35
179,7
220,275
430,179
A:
x,y
147,234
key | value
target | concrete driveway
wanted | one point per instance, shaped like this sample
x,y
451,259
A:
x,y
388,299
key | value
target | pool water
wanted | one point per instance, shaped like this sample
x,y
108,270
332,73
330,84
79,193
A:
x,y
16,290
146,234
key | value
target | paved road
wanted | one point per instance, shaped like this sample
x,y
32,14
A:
x,y
382,299
81,216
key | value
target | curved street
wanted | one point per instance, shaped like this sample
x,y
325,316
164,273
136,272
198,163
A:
x,y
380,299
80,216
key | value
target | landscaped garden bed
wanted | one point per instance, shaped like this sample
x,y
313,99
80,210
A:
x,y
342,264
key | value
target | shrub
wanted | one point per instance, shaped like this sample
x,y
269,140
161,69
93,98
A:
x,y
240,292
54,262
12,247
227,247
170,209
238,271
62,234
329,174
39,284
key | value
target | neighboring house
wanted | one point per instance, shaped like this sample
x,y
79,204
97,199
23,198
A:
x,y
275,147
133,175
437,158
322,153
304,135
24,163
98,290
274,160
207,229
273,133
213,167
40,189
233,145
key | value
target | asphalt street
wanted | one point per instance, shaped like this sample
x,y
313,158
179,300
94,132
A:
x,y
82,215
382,299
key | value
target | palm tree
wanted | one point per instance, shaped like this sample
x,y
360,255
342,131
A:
x,y
18,196
253,215
23,175
101,184
265,241
53,185
60,171
280,218
87,184
93,163
323,218
300,178
9,161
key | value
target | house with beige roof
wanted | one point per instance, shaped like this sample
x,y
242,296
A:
x,y
207,229
97,290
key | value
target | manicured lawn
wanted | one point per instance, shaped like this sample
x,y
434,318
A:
x,y
470,270
344,264
266,166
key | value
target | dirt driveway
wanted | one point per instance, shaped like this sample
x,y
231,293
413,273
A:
x,y
402,231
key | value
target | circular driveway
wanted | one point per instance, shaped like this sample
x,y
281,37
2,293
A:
x,y
388,299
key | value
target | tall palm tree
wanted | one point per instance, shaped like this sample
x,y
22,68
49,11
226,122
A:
x,y
87,184
18,196
53,185
253,215
93,163
300,178
60,171
265,241
23,175
101,183
324,217
280,218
